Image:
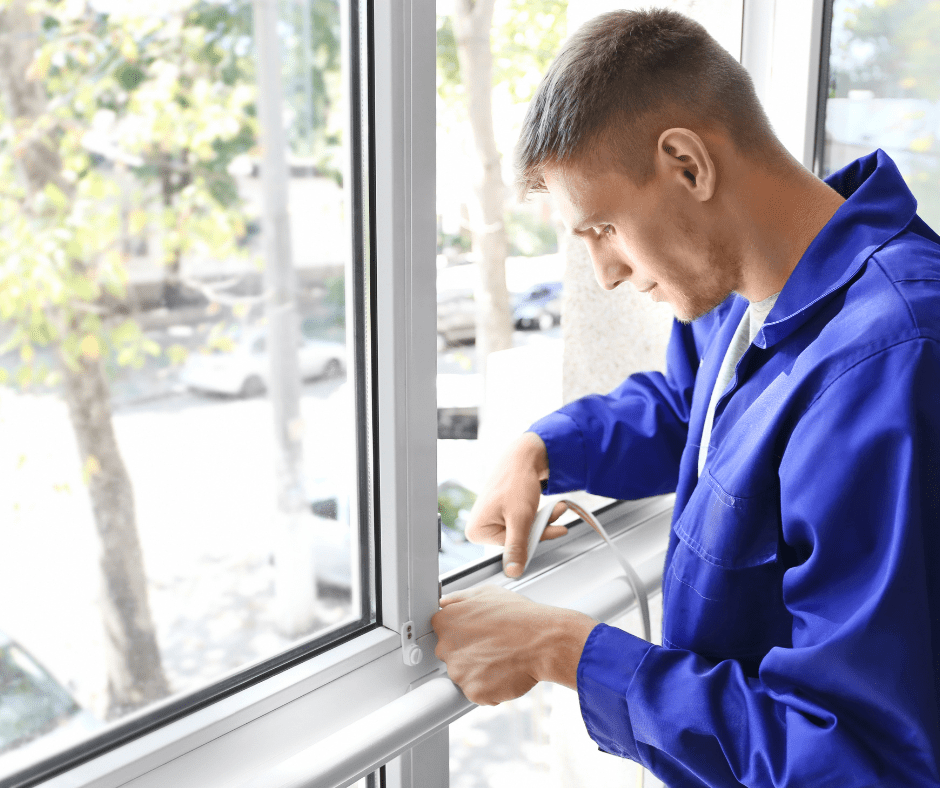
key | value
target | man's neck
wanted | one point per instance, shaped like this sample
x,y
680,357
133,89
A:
x,y
779,215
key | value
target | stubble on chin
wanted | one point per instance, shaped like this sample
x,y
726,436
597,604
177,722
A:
x,y
699,311
712,291
702,303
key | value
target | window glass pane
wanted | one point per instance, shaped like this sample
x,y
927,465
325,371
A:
x,y
516,296
540,737
884,92
182,337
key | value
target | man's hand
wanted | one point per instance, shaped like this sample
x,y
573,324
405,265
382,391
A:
x,y
505,509
498,645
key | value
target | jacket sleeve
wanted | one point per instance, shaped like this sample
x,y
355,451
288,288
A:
x,y
853,700
626,444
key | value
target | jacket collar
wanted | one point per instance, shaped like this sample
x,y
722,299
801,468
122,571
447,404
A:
x,y
878,205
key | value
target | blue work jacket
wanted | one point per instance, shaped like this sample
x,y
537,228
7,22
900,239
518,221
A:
x,y
801,589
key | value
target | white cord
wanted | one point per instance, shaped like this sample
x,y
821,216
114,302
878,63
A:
x,y
639,591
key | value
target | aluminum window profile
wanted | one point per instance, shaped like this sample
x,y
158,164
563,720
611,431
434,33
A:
x,y
222,712
344,756
406,306
234,733
781,44
822,91
276,717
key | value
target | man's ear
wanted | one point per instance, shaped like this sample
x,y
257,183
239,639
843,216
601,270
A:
x,y
682,156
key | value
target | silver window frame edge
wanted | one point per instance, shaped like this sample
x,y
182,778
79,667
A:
x,y
152,750
405,231
781,47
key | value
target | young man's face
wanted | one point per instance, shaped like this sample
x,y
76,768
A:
x,y
650,236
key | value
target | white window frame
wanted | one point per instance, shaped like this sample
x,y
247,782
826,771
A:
x,y
781,47
329,720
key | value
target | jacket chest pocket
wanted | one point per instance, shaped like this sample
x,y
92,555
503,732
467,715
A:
x,y
727,531
724,582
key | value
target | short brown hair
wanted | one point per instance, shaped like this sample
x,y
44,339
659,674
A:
x,y
625,77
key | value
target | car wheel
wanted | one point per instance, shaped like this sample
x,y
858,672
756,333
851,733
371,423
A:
x,y
546,321
253,386
333,368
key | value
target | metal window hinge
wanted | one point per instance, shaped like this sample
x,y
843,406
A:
x,y
411,652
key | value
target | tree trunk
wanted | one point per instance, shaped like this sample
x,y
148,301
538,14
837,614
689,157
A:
x,y
135,674
473,20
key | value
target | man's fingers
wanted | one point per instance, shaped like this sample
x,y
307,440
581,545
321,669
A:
x,y
515,553
560,508
554,531
465,594
486,533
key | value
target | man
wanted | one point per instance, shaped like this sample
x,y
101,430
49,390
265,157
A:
x,y
798,424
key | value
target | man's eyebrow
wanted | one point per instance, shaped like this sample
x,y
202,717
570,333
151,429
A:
x,y
577,228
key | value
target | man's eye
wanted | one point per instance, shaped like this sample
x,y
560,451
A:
x,y
607,229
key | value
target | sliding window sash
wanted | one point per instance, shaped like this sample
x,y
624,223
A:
x,y
248,732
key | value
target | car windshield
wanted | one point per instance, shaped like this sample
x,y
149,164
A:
x,y
31,701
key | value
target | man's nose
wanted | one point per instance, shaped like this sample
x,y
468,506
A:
x,y
609,269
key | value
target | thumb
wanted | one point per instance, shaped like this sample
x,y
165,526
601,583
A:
x,y
449,599
514,551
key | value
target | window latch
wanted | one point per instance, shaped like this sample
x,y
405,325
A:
x,y
411,652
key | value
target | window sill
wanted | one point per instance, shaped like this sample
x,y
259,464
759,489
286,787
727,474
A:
x,y
347,711
638,528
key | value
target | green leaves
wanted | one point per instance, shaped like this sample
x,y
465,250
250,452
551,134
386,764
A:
x,y
129,76
55,197
144,117
448,63
891,50
526,35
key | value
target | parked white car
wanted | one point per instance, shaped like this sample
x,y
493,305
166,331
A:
x,y
244,369
38,716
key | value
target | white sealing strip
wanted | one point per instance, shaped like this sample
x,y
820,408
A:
x,y
538,528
